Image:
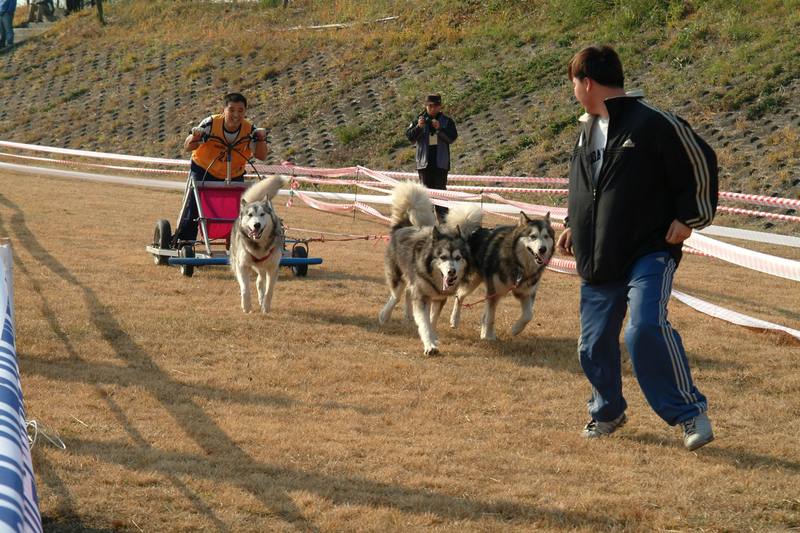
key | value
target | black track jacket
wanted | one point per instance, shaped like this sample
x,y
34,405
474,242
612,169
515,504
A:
x,y
655,169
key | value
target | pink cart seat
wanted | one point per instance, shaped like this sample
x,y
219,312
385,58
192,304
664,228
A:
x,y
220,203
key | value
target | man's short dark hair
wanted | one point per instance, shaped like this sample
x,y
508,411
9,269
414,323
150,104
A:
x,y
600,63
235,97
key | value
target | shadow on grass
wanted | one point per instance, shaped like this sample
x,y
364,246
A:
x,y
336,275
221,458
221,453
339,490
286,276
557,353
712,363
70,524
396,325
176,397
736,457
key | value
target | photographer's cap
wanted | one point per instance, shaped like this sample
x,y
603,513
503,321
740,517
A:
x,y
434,99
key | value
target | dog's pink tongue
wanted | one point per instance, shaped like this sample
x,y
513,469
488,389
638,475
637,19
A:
x,y
444,284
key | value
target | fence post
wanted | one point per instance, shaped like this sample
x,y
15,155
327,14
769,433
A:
x,y
6,270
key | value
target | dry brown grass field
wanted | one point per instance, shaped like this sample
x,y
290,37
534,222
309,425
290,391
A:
x,y
181,413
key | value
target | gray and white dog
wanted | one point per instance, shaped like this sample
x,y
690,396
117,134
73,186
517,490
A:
x,y
507,259
426,261
257,242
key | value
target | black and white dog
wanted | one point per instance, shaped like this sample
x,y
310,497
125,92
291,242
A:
x,y
257,242
507,259
426,261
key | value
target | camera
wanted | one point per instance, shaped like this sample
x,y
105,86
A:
x,y
428,119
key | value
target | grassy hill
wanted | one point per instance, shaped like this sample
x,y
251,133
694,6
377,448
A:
x,y
344,96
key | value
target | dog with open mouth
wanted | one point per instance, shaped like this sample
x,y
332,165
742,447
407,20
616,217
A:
x,y
257,243
427,262
508,259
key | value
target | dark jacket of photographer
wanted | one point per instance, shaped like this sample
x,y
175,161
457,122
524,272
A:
x,y
446,134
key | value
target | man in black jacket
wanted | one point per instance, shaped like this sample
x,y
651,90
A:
x,y
640,181
433,132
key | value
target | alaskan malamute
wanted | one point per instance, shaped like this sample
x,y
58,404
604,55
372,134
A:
x,y
257,242
426,261
507,259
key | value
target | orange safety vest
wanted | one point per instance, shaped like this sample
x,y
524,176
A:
x,y
213,155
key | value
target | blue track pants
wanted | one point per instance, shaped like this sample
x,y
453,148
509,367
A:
x,y
656,351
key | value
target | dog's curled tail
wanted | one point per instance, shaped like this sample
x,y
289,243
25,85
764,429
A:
x,y
264,190
464,217
411,206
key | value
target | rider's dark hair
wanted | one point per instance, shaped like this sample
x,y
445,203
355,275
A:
x,y
235,97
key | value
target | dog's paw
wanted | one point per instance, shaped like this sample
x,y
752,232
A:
x,y
488,336
518,327
432,350
382,318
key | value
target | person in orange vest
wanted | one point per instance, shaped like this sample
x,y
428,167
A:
x,y
208,142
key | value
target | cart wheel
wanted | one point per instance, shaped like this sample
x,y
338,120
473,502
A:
x,y
187,251
298,250
162,236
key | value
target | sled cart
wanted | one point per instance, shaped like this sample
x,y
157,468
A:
x,y
218,207
218,204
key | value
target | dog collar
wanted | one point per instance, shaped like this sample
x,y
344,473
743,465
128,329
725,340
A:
x,y
259,260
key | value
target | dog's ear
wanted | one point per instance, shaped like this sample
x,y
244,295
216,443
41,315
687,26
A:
x,y
436,233
242,203
523,218
458,230
547,217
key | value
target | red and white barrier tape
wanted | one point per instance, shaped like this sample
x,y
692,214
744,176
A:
x,y
762,262
340,208
357,171
323,235
106,178
495,179
787,269
750,235
462,188
760,200
95,165
731,316
567,266
753,213
769,264
96,155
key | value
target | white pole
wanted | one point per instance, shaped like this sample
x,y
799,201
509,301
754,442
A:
x,y
7,273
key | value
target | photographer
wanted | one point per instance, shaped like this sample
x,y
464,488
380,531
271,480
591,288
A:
x,y
433,132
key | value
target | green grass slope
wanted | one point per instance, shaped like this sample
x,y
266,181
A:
x,y
344,96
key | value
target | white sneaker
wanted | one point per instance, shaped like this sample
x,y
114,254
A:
x,y
697,432
595,428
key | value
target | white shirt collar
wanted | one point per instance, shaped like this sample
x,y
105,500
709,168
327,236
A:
x,y
632,93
